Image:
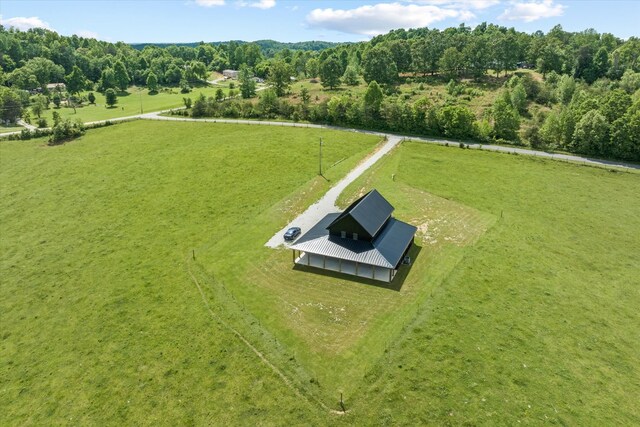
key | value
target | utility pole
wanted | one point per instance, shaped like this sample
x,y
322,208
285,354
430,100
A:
x,y
320,157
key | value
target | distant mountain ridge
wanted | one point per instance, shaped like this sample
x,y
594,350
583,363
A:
x,y
265,45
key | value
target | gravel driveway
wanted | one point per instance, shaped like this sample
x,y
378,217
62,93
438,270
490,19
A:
x,y
327,204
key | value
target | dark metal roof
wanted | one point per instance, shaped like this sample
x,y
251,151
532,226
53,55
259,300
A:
x,y
371,211
394,239
318,230
385,251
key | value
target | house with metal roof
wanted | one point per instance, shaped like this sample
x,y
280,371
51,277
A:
x,y
364,240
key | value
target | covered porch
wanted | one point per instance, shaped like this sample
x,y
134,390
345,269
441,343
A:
x,y
354,268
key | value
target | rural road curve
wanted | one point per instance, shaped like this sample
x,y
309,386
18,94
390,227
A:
x,y
503,149
327,204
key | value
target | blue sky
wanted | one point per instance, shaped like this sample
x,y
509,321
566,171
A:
x,y
289,20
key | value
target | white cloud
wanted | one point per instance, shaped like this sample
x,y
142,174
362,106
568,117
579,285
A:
x,y
23,23
87,34
532,10
466,15
460,4
210,3
263,4
260,4
380,18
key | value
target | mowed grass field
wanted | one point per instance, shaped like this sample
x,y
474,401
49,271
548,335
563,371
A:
x,y
136,287
9,128
101,321
539,321
128,104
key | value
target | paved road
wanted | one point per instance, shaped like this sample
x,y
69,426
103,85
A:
x,y
327,203
566,157
498,148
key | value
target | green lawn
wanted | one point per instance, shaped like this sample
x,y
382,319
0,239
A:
x,y
539,322
128,104
134,273
9,128
101,321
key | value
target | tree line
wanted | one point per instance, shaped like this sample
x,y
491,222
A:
x,y
34,58
579,69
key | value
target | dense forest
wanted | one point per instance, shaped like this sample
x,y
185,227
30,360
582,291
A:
x,y
570,91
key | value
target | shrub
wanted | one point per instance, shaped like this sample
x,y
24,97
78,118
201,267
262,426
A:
x,y
66,131
184,87
42,122
111,97
56,99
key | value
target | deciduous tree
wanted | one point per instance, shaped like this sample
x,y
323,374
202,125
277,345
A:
x,y
330,72
591,135
373,100
506,121
121,76
107,79
378,65
10,105
350,76
76,80
455,121
312,67
247,83
280,77
152,82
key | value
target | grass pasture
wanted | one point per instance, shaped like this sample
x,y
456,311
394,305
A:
x,y
101,322
538,323
129,104
4,128
520,305
337,328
